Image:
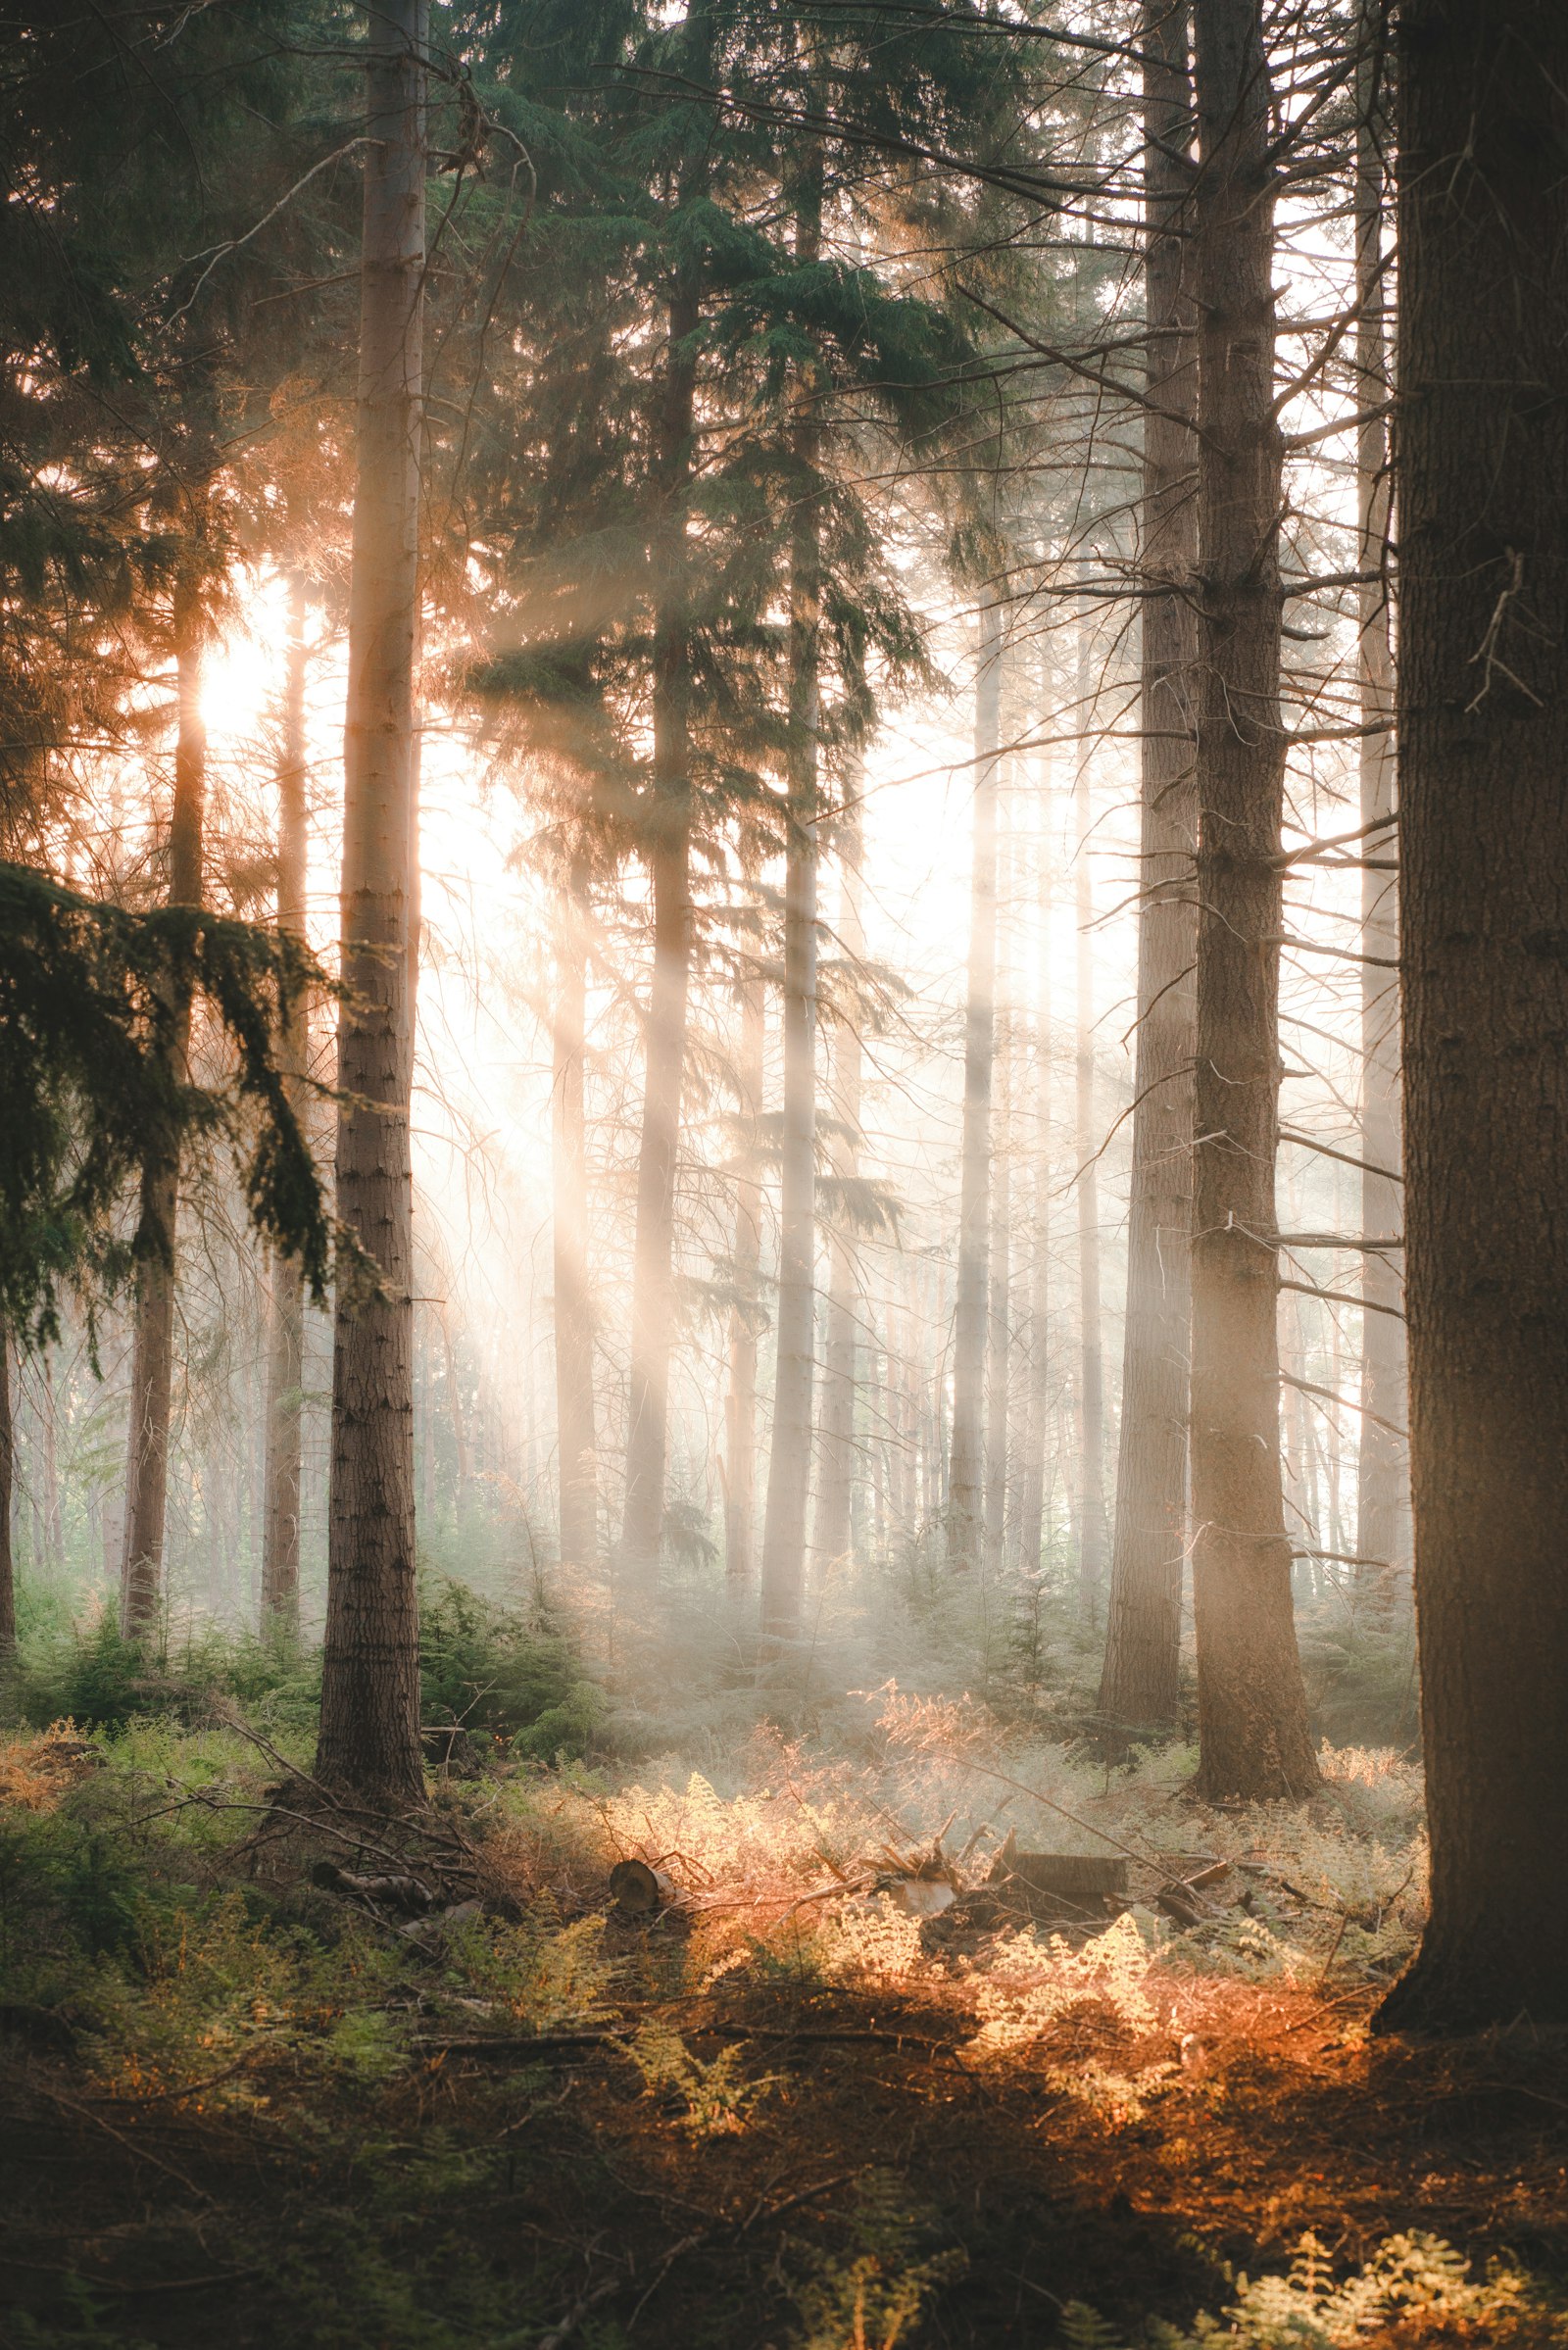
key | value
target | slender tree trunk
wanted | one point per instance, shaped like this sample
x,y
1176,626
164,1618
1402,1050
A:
x,y
789,1468
1037,1422
8,1479
999,1327
965,1500
1483,732
1383,1475
369,1734
285,1370
1091,1344
153,1346
836,1489
576,1443
740,1402
1253,1734
1138,1690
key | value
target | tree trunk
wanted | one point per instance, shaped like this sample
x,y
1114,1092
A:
x,y
1383,1475
153,1347
1483,732
965,1498
999,1327
835,1493
281,1520
740,1402
1037,1420
789,1468
1138,1688
8,1479
576,1443
1091,1345
1254,1740
370,1735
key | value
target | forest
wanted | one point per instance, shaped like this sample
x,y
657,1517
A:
x,y
784,1174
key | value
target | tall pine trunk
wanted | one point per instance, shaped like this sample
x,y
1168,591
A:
x,y
1383,1475
998,1330
965,1496
789,1468
1138,1688
1091,1345
141,1573
8,1480
836,1487
1254,1736
1483,733
369,1734
286,1345
740,1400
576,1443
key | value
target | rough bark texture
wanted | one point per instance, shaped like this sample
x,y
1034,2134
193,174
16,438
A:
x,y
998,1326
965,1496
8,1479
1037,1416
1138,1690
1483,731
740,1400
789,1468
1383,1485
576,1442
836,1476
285,1346
1253,1726
1092,1542
370,1735
141,1571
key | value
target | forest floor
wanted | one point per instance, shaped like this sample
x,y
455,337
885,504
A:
x,y
273,2074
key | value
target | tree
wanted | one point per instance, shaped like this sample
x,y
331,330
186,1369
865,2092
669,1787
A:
x,y
573,1309
285,1356
370,1732
836,1487
1138,1688
740,1400
1086,1183
1482,735
1254,1736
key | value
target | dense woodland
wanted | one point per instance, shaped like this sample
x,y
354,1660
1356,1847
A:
x,y
783,1268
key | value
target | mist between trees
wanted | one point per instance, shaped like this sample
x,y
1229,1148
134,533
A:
x,y
828,595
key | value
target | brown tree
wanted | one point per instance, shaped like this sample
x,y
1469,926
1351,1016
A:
x,y
575,1437
1252,1726
1138,1687
1483,733
369,1734
835,1485
740,1397
285,1349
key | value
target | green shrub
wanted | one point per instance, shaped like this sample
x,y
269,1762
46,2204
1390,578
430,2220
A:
x,y
504,1674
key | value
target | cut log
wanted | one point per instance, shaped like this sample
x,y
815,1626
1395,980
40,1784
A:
x,y
638,1889
1065,1884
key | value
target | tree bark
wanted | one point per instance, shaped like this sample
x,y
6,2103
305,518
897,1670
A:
x,y
141,1572
1038,1417
965,1496
1091,1345
369,1733
1138,1688
836,1489
1253,1726
285,1352
740,1402
789,1468
575,1439
1383,1472
999,1325
1483,734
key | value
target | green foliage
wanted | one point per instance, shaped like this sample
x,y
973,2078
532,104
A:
x,y
871,2296
506,1673
93,1674
711,2097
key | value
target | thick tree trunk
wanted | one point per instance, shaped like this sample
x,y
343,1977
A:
x,y
370,1735
575,1440
836,1487
740,1400
285,1347
1383,1475
1483,732
789,1468
1138,1690
152,1372
8,1479
1091,1543
1253,1726
965,1497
